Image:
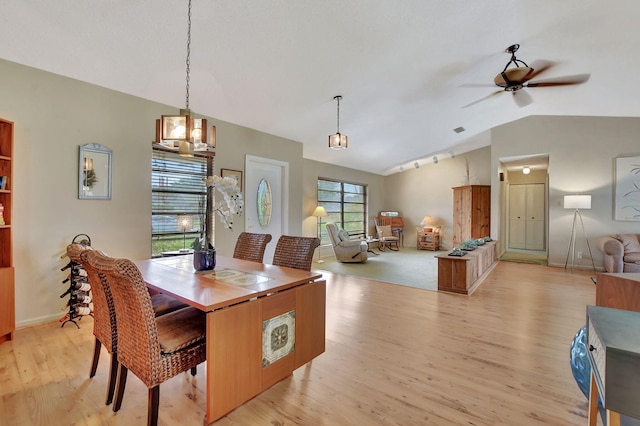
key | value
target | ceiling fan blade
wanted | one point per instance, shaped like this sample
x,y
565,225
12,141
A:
x,y
522,98
490,95
539,66
560,81
477,85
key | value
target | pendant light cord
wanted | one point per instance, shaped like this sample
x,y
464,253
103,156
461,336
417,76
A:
x,y
188,52
338,119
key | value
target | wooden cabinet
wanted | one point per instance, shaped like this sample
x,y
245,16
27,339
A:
x,y
471,212
427,240
7,297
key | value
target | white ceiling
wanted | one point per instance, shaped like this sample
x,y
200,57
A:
x,y
275,65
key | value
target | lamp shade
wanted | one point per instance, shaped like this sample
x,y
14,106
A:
x,y
577,202
185,222
320,211
426,221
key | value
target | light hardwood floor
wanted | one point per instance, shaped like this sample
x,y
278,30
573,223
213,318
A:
x,y
394,355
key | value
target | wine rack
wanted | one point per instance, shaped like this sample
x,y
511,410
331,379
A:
x,y
79,290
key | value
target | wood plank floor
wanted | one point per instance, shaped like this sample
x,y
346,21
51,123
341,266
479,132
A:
x,y
394,356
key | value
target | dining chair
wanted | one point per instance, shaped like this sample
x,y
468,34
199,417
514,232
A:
x,y
152,348
104,317
295,252
251,246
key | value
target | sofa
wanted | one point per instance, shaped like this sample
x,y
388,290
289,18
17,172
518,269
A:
x,y
346,249
621,253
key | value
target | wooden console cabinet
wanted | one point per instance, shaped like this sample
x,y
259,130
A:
x,y
7,297
464,274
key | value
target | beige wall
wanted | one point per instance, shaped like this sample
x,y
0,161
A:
x,y
581,153
417,193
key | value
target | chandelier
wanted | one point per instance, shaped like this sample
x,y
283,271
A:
x,y
182,132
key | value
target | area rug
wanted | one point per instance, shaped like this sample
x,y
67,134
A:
x,y
532,259
408,266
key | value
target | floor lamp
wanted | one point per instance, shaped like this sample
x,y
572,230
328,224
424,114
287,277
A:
x,y
577,202
319,212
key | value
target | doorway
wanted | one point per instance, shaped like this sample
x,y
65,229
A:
x,y
525,209
267,199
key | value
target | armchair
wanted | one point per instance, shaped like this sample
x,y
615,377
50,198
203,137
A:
x,y
345,249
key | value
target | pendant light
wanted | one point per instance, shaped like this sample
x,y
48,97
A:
x,y
182,132
338,140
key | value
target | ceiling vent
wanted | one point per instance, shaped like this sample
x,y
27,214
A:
x,y
459,129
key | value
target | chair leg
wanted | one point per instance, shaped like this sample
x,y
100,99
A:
x,y
122,381
154,402
96,357
194,371
113,374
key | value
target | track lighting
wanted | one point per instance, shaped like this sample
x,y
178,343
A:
x,y
435,159
452,155
401,169
526,170
416,165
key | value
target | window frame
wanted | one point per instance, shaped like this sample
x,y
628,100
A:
x,y
167,166
338,217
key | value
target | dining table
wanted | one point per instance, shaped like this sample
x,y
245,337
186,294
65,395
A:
x,y
262,321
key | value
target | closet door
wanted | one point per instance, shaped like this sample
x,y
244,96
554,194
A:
x,y
517,217
535,216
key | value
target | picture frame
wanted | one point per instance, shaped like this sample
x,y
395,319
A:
x,y
236,174
627,188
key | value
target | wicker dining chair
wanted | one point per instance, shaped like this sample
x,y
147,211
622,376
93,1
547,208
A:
x,y
250,246
295,252
104,316
153,348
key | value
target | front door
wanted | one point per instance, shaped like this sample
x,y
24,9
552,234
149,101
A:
x,y
267,182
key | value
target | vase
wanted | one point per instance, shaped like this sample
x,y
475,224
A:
x,y
204,260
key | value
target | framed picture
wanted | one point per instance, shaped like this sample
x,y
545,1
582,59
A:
x,y
627,190
236,174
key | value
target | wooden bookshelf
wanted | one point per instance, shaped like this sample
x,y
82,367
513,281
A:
x,y
7,295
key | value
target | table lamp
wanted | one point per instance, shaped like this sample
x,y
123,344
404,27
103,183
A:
x,y
426,223
185,223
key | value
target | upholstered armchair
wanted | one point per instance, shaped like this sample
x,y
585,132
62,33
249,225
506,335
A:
x,y
345,249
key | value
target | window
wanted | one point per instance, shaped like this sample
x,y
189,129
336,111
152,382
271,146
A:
x,y
346,204
176,189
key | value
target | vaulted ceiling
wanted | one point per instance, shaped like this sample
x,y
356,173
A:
x,y
275,65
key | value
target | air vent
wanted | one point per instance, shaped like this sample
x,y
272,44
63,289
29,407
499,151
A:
x,y
459,129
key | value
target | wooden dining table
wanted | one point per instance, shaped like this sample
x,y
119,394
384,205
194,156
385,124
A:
x,y
263,321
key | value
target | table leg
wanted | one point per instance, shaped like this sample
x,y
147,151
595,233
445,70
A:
x,y
593,401
613,418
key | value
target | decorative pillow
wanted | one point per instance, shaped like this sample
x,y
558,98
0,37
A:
x,y
343,235
631,257
630,242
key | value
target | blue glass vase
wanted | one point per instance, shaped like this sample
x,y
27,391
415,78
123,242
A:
x,y
204,260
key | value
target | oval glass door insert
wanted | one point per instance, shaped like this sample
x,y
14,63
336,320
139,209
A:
x,y
264,203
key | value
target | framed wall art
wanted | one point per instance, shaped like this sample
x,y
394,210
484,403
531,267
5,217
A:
x,y
627,189
236,174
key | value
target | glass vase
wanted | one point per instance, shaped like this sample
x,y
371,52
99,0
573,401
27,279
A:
x,y
204,260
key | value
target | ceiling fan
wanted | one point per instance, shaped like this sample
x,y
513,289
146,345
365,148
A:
x,y
519,77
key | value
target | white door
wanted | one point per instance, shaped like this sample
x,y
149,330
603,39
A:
x,y
535,216
276,175
517,217
526,216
